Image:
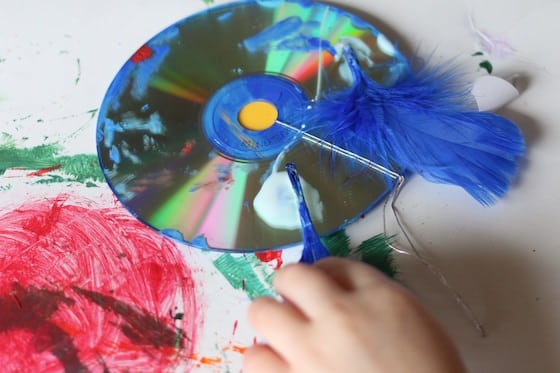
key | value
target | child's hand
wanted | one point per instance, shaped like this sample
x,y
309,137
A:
x,y
343,316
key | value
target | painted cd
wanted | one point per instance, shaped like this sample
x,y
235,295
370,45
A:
x,y
196,128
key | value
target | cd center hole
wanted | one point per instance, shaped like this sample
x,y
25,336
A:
x,y
258,115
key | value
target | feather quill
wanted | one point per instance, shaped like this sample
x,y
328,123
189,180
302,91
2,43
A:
x,y
313,248
423,123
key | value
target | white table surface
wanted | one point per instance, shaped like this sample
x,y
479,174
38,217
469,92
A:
x,y
504,259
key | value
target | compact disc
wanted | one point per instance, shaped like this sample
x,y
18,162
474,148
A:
x,y
196,127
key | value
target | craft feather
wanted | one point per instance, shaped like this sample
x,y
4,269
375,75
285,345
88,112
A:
x,y
424,123
313,248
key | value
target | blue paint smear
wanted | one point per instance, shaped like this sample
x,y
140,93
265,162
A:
x,y
223,172
200,242
306,44
115,155
273,33
311,28
119,86
109,130
270,3
165,37
146,69
224,17
173,233
152,125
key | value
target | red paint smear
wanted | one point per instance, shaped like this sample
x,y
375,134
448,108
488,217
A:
x,y
239,349
210,360
142,54
44,171
235,325
269,256
91,289
189,145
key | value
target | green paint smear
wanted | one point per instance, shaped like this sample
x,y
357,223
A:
x,y
242,273
376,252
79,168
487,66
247,273
51,179
82,167
479,53
208,2
338,243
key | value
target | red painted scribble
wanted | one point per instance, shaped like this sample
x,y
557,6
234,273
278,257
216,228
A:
x,y
91,289
189,145
269,256
210,360
235,325
239,349
142,54
217,361
44,171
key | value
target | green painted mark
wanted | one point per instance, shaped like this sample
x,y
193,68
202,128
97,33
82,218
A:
x,y
7,139
486,65
82,167
479,53
338,243
245,272
208,2
51,179
31,159
376,251
79,168
92,112
79,74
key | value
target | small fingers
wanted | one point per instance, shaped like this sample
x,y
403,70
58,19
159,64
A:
x,y
306,287
351,274
278,323
261,358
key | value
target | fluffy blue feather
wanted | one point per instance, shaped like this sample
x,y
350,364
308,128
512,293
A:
x,y
424,123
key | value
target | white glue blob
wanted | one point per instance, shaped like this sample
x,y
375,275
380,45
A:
x,y
277,204
491,92
385,45
363,54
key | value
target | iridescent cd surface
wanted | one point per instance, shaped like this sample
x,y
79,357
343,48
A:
x,y
174,152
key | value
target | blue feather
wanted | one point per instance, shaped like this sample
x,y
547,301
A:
x,y
313,248
424,123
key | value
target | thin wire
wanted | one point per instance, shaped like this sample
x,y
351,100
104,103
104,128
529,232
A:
x,y
320,65
435,271
337,149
